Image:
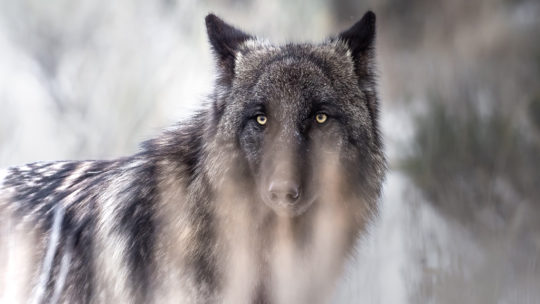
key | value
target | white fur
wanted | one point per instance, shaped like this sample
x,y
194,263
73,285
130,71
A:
x,y
81,169
257,43
49,256
58,287
18,261
110,251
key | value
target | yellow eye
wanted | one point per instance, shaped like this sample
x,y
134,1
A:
x,y
261,119
321,118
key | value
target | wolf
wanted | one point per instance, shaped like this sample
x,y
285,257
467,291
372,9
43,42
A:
x,y
258,198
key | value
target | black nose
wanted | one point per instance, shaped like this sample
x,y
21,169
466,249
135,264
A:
x,y
285,191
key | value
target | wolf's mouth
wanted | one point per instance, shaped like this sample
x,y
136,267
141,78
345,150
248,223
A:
x,y
288,209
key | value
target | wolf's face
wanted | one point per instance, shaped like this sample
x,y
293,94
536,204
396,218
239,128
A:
x,y
302,115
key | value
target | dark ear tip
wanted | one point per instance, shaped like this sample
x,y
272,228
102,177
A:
x,y
361,35
368,21
364,26
369,17
211,20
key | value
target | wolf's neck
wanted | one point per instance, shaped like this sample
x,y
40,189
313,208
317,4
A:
x,y
280,259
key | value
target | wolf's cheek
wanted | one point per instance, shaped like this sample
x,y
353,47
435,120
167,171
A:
x,y
327,138
251,144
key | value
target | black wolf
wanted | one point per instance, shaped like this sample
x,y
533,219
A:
x,y
256,199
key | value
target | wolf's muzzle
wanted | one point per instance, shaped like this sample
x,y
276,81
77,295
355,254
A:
x,y
284,192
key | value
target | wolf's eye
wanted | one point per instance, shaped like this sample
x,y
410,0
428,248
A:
x,y
261,119
321,118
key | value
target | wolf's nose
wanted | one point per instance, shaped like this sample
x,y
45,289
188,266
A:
x,y
284,191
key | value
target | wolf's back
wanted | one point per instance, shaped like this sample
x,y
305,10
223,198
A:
x,y
64,221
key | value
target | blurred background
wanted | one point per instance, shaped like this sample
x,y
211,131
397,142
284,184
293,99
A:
x,y
460,96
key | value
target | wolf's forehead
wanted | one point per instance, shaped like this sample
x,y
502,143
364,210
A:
x,y
262,45
257,43
257,53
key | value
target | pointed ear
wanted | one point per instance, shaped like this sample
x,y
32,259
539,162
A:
x,y
360,39
225,41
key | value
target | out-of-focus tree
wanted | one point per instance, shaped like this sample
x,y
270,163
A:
x,y
475,153
469,164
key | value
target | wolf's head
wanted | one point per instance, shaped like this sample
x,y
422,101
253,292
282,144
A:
x,y
302,116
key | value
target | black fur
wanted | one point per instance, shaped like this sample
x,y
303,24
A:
x,y
361,41
225,41
137,222
361,36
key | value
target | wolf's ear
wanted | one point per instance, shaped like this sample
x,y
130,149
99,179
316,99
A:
x,y
225,40
360,39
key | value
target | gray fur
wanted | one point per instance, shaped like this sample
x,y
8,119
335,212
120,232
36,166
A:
x,y
219,209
